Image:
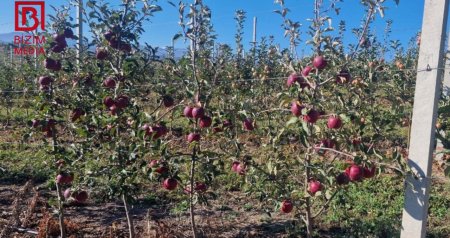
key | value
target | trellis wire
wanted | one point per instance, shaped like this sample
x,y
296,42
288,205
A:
x,y
228,80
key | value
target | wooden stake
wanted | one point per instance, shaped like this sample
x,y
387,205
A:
x,y
428,89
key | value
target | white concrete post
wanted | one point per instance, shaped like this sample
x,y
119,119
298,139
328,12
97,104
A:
x,y
426,97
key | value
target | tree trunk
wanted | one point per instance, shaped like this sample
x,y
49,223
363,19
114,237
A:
x,y
62,226
129,218
191,195
309,219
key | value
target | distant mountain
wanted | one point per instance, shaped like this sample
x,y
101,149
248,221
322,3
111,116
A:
x,y
7,38
178,53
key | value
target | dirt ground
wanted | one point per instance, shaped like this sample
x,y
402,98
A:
x,y
108,219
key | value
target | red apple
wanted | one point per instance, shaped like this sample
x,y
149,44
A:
x,y
58,48
292,79
198,112
319,62
76,114
249,124
153,163
314,187
114,43
162,170
109,35
200,187
328,143
342,179
241,168
312,116
334,122
354,172
125,47
343,77
113,110
168,101
69,178
306,71
80,196
369,173
59,39
52,64
193,137
68,33
122,101
297,78
227,123
170,184
217,129
44,88
287,206
108,101
35,123
109,82
101,53
234,166
67,193
58,66
157,131
187,112
205,122
60,179
64,178
296,108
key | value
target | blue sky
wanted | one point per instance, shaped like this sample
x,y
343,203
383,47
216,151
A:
x,y
407,19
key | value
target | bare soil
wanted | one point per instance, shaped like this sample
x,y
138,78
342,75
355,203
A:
x,y
151,220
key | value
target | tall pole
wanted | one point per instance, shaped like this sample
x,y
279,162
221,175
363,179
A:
x,y
4,55
11,57
426,98
35,52
20,56
254,29
254,41
79,31
173,49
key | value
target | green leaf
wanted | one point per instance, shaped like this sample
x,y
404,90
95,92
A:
x,y
90,4
305,128
171,3
444,109
292,121
177,36
328,194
